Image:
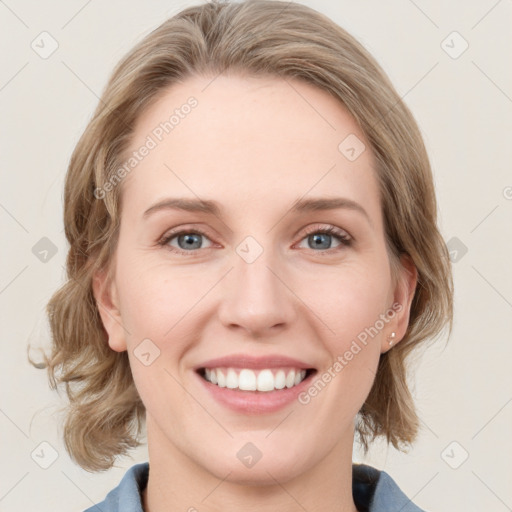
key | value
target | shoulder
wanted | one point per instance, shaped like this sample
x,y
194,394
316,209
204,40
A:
x,y
375,491
126,497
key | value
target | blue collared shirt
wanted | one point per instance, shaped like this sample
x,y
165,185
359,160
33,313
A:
x,y
373,491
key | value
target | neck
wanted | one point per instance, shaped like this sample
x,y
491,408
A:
x,y
177,482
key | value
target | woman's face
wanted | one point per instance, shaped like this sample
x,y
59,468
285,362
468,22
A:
x,y
250,276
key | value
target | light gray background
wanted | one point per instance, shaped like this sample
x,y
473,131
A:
x,y
463,106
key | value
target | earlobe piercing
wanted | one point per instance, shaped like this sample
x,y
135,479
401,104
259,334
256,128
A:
x,y
393,335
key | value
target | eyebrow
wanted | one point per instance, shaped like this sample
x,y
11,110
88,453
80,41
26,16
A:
x,y
299,206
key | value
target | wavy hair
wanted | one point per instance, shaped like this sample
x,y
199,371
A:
x,y
253,37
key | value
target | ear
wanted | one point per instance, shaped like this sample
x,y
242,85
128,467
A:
x,y
402,299
106,296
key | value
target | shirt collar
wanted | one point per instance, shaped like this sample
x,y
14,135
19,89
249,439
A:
x,y
373,490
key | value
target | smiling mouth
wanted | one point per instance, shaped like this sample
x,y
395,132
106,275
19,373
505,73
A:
x,y
264,380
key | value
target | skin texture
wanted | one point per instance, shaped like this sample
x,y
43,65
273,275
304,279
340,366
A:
x,y
254,145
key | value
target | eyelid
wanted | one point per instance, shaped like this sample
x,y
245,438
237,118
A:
x,y
329,228
185,229
345,238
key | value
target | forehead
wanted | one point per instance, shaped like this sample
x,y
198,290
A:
x,y
233,138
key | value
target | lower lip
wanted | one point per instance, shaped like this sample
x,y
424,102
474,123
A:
x,y
255,402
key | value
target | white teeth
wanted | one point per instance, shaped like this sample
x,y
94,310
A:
x,y
265,381
247,380
290,379
280,380
251,380
221,378
231,379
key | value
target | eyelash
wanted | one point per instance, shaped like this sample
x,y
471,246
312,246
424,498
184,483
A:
x,y
344,239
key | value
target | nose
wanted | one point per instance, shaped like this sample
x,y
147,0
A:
x,y
256,297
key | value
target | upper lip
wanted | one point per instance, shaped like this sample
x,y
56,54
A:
x,y
246,361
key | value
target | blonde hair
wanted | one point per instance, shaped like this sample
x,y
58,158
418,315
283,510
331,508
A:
x,y
255,37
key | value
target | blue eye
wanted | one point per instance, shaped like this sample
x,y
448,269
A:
x,y
189,241
319,236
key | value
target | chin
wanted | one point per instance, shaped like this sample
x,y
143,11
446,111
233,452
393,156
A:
x,y
245,464
260,474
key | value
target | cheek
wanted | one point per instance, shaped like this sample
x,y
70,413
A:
x,y
156,298
352,303
349,299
